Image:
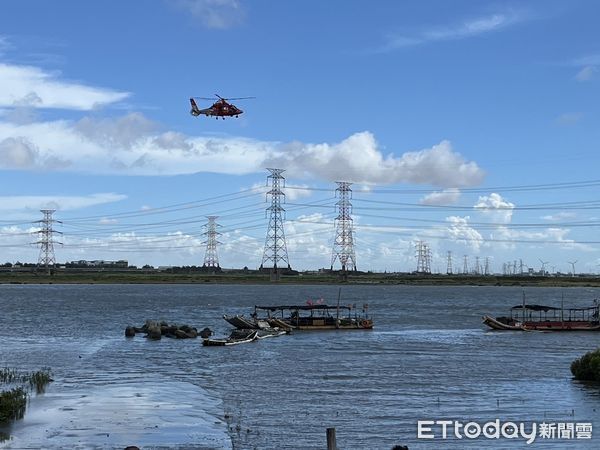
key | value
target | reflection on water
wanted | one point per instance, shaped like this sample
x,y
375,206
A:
x,y
429,357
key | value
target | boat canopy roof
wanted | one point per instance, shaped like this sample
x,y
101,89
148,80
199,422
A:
x,y
551,308
302,307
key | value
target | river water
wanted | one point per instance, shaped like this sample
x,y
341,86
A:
x,y
428,358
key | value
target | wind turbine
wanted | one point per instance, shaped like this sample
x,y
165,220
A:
x,y
543,269
573,266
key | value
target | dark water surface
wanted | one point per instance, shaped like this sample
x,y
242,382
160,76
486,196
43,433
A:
x,y
428,358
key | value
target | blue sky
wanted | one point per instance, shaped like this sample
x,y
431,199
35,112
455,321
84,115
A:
x,y
446,116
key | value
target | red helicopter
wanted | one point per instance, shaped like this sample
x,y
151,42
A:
x,y
220,108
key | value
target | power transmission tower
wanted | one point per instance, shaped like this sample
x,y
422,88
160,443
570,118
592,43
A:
x,y
275,248
47,258
486,270
423,257
343,243
420,257
521,266
211,258
449,266
465,264
428,259
477,266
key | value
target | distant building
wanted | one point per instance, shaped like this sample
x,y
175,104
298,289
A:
x,y
98,264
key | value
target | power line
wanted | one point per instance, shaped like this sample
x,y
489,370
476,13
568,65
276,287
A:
x,y
378,189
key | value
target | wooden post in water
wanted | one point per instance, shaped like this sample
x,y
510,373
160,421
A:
x,y
331,444
562,310
337,317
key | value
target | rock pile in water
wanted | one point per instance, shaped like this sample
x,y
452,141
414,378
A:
x,y
156,330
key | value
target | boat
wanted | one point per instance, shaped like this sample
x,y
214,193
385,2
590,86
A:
x,y
236,337
270,332
316,317
278,323
240,322
532,317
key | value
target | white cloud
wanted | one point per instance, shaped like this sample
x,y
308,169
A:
x,y
494,206
309,241
107,221
239,250
358,159
4,45
28,86
219,14
463,30
133,145
19,153
297,191
588,60
585,74
62,203
261,188
460,231
559,216
292,192
569,118
445,197
122,133
553,235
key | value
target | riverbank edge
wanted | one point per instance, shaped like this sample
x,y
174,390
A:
x,y
359,279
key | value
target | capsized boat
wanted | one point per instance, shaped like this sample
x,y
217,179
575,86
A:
x,y
254,323
530,317
264,333
240,322
236,337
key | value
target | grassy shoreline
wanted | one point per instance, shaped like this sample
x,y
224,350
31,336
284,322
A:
x,y
125,277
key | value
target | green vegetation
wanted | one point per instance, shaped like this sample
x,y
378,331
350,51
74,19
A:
x,y
587,368
12,404
13,399
38,380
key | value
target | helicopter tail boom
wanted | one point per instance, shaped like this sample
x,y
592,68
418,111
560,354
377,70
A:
x,y
195,111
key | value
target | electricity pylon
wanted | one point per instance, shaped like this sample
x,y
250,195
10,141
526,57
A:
x,y
343,243
46,242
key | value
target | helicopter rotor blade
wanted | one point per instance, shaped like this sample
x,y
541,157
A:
x,y
239,98
222,98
